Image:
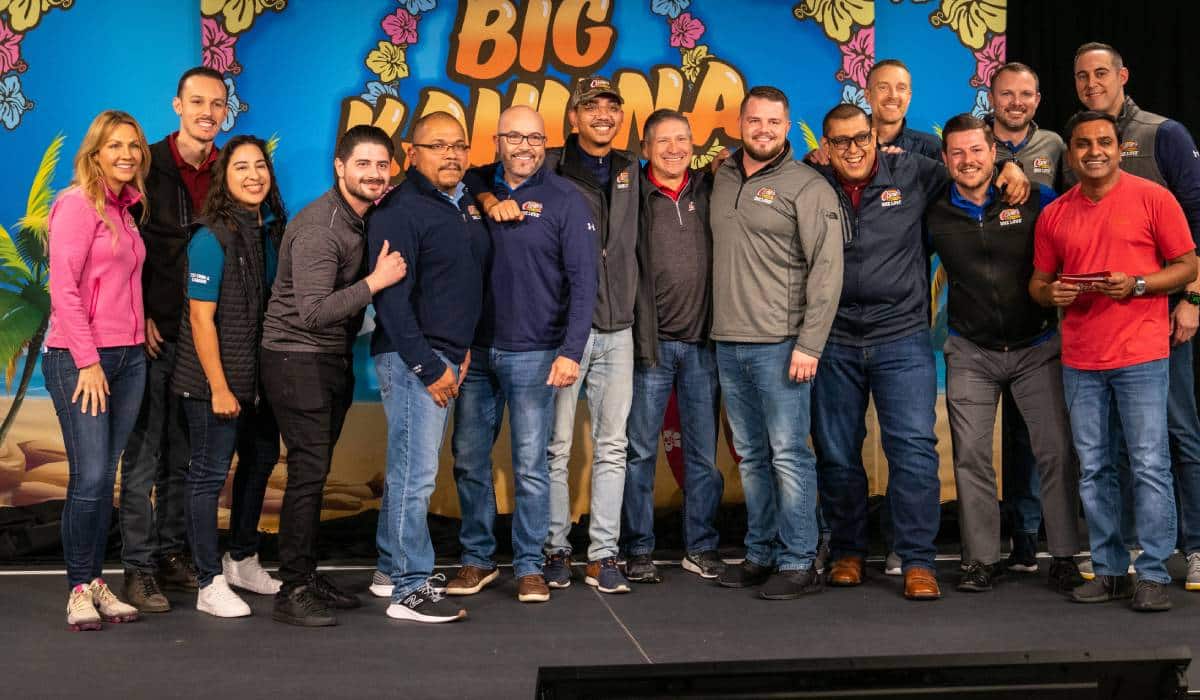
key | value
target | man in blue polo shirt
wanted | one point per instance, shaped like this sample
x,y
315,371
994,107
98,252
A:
x,y
529,343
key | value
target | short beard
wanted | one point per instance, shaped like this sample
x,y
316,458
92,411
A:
x,y
768,156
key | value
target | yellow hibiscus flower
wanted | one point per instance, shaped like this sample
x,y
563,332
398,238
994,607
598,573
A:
x,y
693,61
239,14
972,19
388,62
837,16
24,15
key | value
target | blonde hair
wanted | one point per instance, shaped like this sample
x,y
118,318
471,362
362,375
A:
x,y
89,178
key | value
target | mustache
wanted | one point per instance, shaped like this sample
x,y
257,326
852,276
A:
x,y
524,154
602,122
450,166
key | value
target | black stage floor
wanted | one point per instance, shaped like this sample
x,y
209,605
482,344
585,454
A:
x,y
496,652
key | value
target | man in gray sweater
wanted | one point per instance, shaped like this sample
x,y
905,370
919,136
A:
x,y
313,317
777,277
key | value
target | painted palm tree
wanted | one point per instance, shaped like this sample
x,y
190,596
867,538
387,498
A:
x,y
24,284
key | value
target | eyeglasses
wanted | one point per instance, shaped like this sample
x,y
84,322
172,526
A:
x,y
515,138
842,143
459,148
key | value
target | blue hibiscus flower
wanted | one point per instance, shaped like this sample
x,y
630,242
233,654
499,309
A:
x,y
12,102
670,8
983,105
854,95
233,105
416,7
376,89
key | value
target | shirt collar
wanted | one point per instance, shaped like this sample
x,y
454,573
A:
x,y
181,163
673,194
976,210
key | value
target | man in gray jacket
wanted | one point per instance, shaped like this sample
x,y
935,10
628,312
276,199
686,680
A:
x,y
316,309
777,276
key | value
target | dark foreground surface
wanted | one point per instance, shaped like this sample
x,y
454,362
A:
x,y
496,652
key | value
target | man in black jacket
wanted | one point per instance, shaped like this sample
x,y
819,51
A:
x,y
672,349
156,457
999,339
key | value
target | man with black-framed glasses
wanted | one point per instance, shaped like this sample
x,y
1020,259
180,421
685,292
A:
x,y
529,343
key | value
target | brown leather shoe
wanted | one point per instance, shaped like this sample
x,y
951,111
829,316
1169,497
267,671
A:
x,y
533,589
921,584
847,571
470,580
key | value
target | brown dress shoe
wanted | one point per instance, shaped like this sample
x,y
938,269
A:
x,y
533,589
470,580
847,571
921,584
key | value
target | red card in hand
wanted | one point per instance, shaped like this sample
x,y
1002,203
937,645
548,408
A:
x,y
1086,281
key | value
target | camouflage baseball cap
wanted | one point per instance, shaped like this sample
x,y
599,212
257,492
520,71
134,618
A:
x,y
592,87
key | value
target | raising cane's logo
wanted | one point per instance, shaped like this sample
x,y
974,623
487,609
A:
x,y
473,211
1129,148
622,177
532,208
765,195
1041,165
1008,217
890,198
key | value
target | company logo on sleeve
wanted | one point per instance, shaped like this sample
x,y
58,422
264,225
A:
x,y
198,278
891,197
765,195
532,208
1041,165
1008,217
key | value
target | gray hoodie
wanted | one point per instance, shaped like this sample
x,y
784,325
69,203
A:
x,y
777,254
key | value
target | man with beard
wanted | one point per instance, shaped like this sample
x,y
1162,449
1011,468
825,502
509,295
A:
x,y
316,309
1000,340
421,344
156,456
1131,233
1162,151
528,347
777,274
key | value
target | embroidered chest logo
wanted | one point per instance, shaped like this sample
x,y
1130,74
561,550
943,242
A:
x,y
129,222
474,212
1129,148
765,195
1041,165
1008,217
891,198
623,180
691,206
532,208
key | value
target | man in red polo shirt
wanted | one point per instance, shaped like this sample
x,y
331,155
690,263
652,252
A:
x,y
1108,252
156,457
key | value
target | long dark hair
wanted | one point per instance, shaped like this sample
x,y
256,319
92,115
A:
x,y
220,212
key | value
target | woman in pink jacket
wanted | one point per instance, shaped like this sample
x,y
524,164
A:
x,y
94,365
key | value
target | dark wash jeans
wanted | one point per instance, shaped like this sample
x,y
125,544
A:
x,y
310,393
94,445
213,441
156,460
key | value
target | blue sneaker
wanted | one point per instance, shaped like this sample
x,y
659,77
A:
x,y
606,576
557,570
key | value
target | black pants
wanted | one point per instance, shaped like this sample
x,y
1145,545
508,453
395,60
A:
x,y
310,393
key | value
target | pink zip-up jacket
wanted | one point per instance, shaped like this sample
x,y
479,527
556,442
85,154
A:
x,y
95,289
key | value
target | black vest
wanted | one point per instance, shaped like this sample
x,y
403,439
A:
x,y
241,304
1139,130
989,264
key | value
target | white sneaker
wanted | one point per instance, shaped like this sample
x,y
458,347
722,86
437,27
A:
x,y
381,585
891,565
108,605
82,615
1193,574
248,574
219,600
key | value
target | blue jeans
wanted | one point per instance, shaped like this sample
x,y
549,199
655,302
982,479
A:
x,y
1140,396
769,415
606,374
495,378
691,368
94,445
212,440
1183,432
257,452
416,426
902,378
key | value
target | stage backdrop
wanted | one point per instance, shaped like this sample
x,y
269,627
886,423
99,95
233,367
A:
x,y
300,73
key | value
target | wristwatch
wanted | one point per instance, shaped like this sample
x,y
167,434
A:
x,y
1139,286
1192,298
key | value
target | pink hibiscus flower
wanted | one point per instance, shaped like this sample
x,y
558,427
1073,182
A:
x,y
989,58
216,47
401,27
685,30
10,49
858,55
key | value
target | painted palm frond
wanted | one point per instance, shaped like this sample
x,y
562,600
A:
x,y
937,129
21,314
37,211
11,260
810,139
272,144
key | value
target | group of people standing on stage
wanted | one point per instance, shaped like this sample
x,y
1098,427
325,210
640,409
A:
x,y
796,290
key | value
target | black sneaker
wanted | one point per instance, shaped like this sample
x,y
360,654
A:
x,y
977,578
640,568
704,564
1024,554
1103,589
426,605
1064,575
744,575
142,592
176,573
302,608
324,590
1150,596
789,585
